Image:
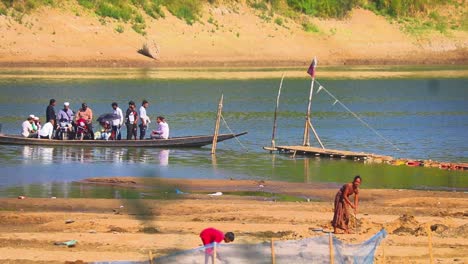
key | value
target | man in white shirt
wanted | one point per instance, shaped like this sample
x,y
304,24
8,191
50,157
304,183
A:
x,y
47,130
28,131
163,129
144,119
117,123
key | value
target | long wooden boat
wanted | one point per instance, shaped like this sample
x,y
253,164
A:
x,y
175,142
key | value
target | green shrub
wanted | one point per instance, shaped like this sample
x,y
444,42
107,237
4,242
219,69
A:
x,y
139,28
258,4
211,20
323,8
188,10
151,7
139,19
89,4
115,9
309,27
119,28
279,21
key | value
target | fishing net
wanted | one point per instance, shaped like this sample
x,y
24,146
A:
x,y
309,250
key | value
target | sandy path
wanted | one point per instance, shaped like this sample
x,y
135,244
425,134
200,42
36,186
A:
x,y
106,231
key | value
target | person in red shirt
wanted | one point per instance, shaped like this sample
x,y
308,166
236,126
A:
x,y
211,235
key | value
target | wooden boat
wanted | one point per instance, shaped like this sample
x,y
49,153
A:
x,y
175,142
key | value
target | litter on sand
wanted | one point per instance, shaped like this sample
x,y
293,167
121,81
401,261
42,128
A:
x,y
216,194
179,191
70,243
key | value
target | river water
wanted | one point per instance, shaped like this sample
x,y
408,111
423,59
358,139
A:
x,y
424,118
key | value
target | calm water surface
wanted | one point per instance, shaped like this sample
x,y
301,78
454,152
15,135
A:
x,y
426,119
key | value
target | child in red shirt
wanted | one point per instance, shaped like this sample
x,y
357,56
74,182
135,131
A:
x,y
211,235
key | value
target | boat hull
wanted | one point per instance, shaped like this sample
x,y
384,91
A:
x,y
176,142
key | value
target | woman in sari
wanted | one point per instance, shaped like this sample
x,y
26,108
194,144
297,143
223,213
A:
x,y
341,216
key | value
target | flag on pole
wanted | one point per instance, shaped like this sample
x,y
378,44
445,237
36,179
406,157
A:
x,y
311,70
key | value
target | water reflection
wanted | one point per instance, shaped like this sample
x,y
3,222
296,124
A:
x,y
164,157
43,154
48,155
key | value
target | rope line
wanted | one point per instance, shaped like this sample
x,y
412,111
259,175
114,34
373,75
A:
x,y
355,115
230,130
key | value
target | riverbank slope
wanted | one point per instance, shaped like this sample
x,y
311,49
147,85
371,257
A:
x,y
223,36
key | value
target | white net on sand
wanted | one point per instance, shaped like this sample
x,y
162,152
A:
x,y
310,250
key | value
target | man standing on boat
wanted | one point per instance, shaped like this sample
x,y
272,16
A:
x,y
131,120
87,114
144,119
50,112
117,123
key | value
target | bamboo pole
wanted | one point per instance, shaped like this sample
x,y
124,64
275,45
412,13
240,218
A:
x,y
305,141
150,257
330,245
316,135
214,253
383,252
429,235
308,123
216,131
273,257
276,113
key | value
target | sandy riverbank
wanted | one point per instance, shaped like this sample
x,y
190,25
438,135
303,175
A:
x,y
116,229
237,37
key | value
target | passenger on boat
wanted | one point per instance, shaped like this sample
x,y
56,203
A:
x,y
28,131
65,115
117,123
131,120
163,129
65,119
144,119
82,130
87,114
50,111
106,131
36,124
47,130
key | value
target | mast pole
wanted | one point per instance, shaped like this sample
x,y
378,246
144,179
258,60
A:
x,y
216,131
276,114
308,123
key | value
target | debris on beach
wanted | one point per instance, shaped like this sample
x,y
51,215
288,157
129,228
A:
x,y
70,243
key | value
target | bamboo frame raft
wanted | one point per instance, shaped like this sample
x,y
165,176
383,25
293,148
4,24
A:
x,y
328,153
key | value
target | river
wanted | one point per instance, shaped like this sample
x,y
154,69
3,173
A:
x,y
423,118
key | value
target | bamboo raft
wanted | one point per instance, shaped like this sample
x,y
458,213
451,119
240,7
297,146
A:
x,y
328,153
307,150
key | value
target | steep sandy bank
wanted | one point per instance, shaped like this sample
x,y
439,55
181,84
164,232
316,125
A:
x,y
59,37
